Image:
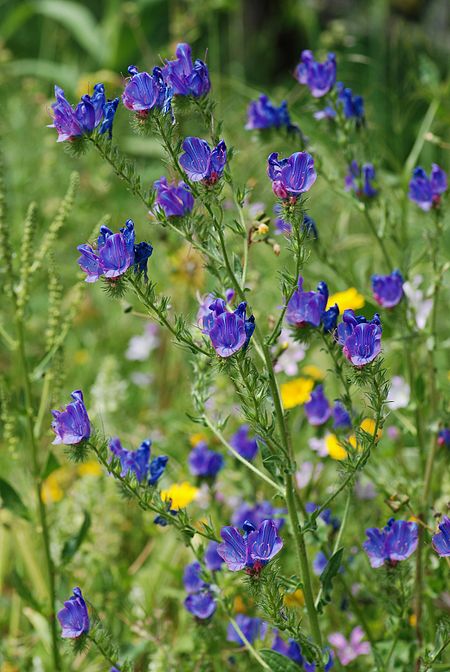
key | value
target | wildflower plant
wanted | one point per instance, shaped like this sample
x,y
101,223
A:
x,y
253,422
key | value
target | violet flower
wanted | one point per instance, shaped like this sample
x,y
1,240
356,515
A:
x,y
348,650
138,461
388,289
201,163
212,559
352,106
92,112
202,605
318,77
251,628
317,409
292,176
72,425
308,308
253,550
114,255
144,92
184,77
256,514
243,443
74,617
444,437
204,462
395,542
229,332
263,114
359,179
441,540
193,583
341,417
174,200
426,191
361,340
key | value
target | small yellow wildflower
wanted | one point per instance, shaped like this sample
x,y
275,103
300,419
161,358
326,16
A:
x,y
296,392
368,425
414,519
90,468
334,447
348,299
295,599
53,486
413,620
196,438
239,605
263,229
313,372
180,494
188,267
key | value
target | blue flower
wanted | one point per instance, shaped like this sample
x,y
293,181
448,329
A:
x,y
318,77
359,179
72,426
395,542
114,255
388,289
202,605
427,192
292,176
361,340
212,559
204,462
185,77
90,112
229,332
193,583
308,225
256,514
353,106
308,308
175,200
317,409
327,113
246,445
251,551
138,461
202,164
341,417
262,114
444,437
74,617
441,540
292,650
319,563
145,92
251,628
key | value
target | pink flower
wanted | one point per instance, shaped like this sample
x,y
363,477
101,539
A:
x,y
348,650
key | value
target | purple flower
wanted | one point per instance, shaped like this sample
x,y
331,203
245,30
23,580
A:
x,y
353,106
251,628
89,114
318,77
263,114
193,583
317,409
72,425
114,255
256,514
175,200
292,176
145,92
426,192
246,445
251,551
212,559
327,113
74,617
202,164
308,225
361,340
229,332
138,461
349,650
441,540
185,77
388,289
290,649
308,308
359,179
204,462
395,542
319,563
341,417
444,437
202,605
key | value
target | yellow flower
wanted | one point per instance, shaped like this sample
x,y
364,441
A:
x,y
54,485
90,468
188,267
87,81
346,300
368,425
194,439
180,494
296,392
413,620
313,372
239,605
295,599
335,449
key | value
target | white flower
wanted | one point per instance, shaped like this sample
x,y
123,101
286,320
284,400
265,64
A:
x,y
292,354
399,393
140,347
421,307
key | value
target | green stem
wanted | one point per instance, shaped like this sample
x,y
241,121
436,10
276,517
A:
x,y
248,645
38,487
241,459
105,655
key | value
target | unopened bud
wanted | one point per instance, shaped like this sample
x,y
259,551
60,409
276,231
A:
x,y
277,249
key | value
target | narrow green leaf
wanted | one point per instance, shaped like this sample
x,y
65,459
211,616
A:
x,y
11,500
278,662
73,544
328,574
51,465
